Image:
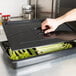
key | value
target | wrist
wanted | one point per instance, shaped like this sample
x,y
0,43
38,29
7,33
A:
x,y
61,20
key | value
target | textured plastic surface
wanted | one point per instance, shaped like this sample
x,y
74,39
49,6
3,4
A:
x,y
24,34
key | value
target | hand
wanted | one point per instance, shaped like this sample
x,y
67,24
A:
x,y
51,23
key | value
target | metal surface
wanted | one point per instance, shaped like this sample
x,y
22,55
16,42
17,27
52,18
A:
x,y
64,6
41,9
54,3
58,67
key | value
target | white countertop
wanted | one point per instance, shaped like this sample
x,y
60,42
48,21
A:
x,y
2,34
65,66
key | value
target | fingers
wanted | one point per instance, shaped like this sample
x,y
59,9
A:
x,y
46,26
49,30
43,25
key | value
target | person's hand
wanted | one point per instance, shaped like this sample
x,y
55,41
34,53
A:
x,y
52,24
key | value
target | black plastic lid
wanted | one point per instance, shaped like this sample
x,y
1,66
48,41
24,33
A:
x,y
26,34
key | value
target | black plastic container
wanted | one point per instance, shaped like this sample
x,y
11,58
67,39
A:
x,y
19,37
36,59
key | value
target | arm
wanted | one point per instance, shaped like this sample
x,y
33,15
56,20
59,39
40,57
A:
x,y
54,23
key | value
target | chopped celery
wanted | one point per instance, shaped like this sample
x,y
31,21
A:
x,y
21,54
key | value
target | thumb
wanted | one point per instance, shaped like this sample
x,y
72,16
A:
x,y
49,30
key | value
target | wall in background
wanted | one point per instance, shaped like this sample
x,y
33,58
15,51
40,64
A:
x,y
12,7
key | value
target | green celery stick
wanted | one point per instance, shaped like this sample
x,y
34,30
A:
x,y
33,52
26,54
19,55
53,48
14,56
10,52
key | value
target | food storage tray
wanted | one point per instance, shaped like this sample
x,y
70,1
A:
x,y
36,59
27,34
